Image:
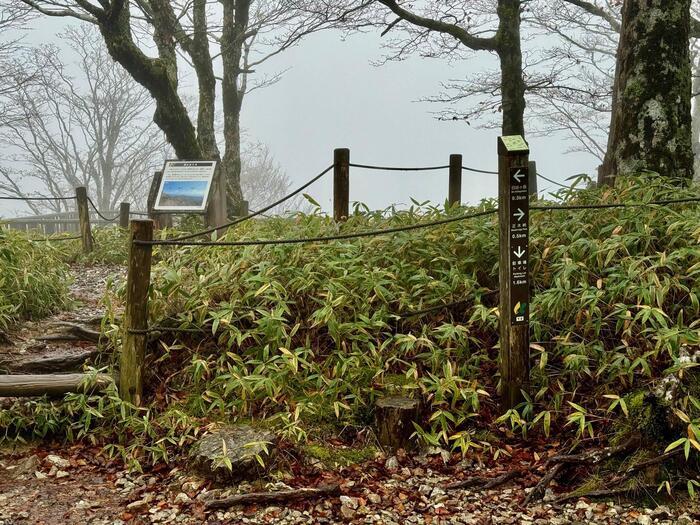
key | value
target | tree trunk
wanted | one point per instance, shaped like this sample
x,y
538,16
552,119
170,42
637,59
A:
x,y
511,60
651,123
159,77
206,132
696,123
235,22
156,76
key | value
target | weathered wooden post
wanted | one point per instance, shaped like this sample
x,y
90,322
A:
x,y
341,184
454,197
134,336
513,214
124,209
532,179
81,197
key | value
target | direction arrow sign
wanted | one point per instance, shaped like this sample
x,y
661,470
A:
x,y
518,232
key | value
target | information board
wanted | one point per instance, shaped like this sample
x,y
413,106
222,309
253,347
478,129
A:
x,y
518,234
185,186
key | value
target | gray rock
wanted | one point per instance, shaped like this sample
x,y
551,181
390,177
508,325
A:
x,y
347,512
58,461
182,499
376,499
23,467
392,463
349,502
241,445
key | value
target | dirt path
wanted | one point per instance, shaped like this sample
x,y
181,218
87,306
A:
x,y
29,347
52,483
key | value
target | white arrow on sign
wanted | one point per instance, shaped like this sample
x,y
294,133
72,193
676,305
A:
x,y
519,252
518,176
519,215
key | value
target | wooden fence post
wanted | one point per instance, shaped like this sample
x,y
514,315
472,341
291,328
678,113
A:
x,y
513,216
84,218
532,178
341,184
454,197
134,337
124,209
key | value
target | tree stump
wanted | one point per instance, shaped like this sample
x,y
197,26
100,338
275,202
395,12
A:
x,y
394,417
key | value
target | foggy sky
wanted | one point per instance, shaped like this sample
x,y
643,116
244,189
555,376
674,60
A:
x,y
332,96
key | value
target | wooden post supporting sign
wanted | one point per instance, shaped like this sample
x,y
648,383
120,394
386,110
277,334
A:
x,y
81,197
514,212
341,184
455,187
134,337
161,220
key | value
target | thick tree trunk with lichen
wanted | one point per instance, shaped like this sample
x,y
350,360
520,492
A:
x,y
651,122
511,60
159,77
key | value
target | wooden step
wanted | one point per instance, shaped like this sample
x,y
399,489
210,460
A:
x,y
52,385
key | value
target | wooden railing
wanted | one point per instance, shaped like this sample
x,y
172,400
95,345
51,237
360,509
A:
x,y
50,223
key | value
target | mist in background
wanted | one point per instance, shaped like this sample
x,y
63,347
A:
x,y
331,96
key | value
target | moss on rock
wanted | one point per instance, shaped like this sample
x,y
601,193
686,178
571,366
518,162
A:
x,y
334,457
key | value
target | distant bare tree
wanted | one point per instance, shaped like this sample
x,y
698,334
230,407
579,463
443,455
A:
x,y
575,95
91,129
454,30
264,181
13,18
231,36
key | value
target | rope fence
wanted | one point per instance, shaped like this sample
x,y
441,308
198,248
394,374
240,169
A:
x,y
48,199
99,213
411,227
306,240
395,168
56,239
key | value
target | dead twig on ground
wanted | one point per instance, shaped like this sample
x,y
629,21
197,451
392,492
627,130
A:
x,y
274,497
538,491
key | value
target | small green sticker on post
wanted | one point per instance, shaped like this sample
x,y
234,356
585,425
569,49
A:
x,y
515,143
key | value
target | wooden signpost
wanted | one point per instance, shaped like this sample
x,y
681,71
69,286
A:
x,y
514,213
